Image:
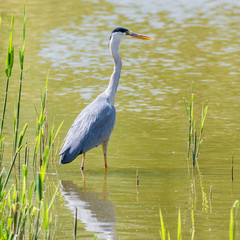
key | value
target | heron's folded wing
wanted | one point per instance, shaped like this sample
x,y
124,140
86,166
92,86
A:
x,y
92,126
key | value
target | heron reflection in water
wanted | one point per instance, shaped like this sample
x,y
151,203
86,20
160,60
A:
x,y
95,123
94,209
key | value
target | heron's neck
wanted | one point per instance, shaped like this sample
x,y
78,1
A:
x,y
114,79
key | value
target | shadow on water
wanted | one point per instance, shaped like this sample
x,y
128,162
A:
x,y
94,209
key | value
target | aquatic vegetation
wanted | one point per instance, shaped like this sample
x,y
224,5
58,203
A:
x,y
193,141
21,214
75,223
179,229
8,71
21,60
233,220
42,140
25,208
232,224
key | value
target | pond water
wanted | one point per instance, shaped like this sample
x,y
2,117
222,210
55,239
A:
x,y
194,41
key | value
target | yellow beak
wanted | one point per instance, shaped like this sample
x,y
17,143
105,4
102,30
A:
x,y
144,37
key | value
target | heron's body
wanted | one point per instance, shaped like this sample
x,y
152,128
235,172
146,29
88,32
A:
x,y
89,129
95,123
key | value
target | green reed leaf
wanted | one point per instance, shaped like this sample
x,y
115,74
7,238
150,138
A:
x,y
40,186
163,231
179,226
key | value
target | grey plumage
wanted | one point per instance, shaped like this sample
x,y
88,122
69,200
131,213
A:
x,y
92,126
95,123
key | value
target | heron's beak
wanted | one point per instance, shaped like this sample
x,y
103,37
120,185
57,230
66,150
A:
x,y
144,37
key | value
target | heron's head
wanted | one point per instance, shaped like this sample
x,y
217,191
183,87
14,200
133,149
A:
x,y
120,33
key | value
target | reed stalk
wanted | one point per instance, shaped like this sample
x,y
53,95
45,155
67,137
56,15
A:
x,y
22,216
193,140
190,120
8,72
26,154
41,130
21,59
162,231
233,220
15,156
137,178
194,147
210,195
75,223
193,226
204,114
179,226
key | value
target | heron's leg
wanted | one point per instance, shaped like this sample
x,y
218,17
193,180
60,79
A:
x,y
105,186
83,178
83,160
105,146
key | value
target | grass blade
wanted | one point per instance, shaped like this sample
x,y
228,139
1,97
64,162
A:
x,y
40,186
15,156
193,226
8,71
179,226
231,225
162,231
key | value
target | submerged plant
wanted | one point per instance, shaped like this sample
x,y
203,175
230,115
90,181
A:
x,y
193,140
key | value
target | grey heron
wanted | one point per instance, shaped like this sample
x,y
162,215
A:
x,y
94,125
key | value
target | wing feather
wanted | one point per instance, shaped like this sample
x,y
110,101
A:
x,y
91,127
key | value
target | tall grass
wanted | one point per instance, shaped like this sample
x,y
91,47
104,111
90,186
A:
x,y
21,61
21,215
8,72
233,220
194,146
25,207
232,224
179,228
162,231
193,140
42,140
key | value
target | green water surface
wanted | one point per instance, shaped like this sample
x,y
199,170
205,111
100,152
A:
x,y
194,41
